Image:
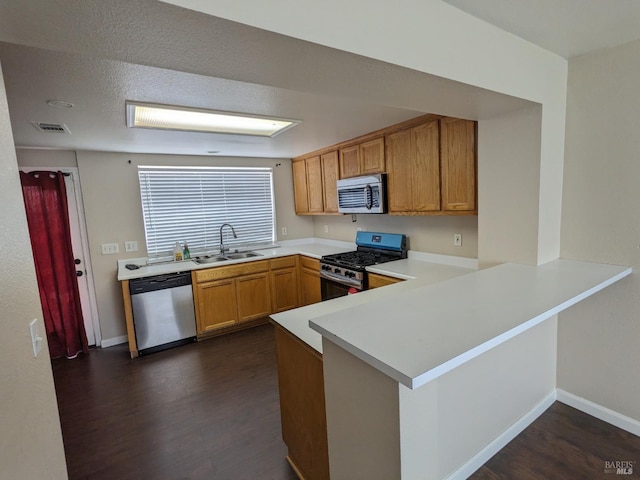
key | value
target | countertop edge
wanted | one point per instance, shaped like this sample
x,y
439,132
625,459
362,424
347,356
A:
x,y
416,381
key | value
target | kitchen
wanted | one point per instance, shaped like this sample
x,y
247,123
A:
x,y
507,235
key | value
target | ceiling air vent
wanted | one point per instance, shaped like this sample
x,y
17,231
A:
x,y
51,127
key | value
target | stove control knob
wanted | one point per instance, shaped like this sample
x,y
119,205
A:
x,y
336,270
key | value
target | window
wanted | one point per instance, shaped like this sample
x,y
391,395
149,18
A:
x,y
189,204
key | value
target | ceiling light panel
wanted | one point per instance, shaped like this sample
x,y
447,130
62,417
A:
x,y
167,117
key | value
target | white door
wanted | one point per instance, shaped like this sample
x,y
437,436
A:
x,y
82,271
80,246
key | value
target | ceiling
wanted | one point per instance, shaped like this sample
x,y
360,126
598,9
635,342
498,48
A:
x,y
566,27
96,54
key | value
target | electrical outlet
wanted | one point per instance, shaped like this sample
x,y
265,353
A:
x,y
110,248
130,246
359,229
457,239
284,231
326,229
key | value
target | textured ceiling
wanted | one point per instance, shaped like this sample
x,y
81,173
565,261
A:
x,y
98,53
566,27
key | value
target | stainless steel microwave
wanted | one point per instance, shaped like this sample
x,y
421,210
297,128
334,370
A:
x,y
362,194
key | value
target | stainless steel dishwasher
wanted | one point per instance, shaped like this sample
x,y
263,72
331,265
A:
x,y
163,311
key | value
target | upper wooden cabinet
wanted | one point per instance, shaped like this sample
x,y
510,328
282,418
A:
x,y
430,162
413,168
458,164
363,159
330,181
314,184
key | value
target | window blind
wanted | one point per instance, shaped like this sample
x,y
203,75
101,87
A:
x,y
182,204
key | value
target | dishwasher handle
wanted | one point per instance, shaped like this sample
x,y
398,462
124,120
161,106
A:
x,y
159,282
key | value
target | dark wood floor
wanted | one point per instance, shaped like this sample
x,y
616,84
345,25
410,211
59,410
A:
x,y
210,411
564,443
202,411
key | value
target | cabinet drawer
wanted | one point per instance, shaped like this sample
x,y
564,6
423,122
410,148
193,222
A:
x,y
308,262
283,262
218,273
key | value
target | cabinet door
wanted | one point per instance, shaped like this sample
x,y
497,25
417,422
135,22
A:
x,y
302,405
350,161
458,160
425,175
300,186
284,289
372,156
310,283
216,303
314,184
330,170
399,171
254,297
376,280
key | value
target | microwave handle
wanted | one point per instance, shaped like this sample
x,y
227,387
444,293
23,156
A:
x,y
369,201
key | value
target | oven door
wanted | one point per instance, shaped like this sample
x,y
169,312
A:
x,y
331,288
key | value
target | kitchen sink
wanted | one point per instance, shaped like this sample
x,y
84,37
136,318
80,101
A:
x,y
209,259
204,259
236,256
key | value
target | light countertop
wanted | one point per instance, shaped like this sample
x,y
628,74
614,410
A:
x,y
418,333
315,248
416,269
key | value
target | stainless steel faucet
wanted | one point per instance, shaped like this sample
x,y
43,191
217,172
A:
x,y
222,249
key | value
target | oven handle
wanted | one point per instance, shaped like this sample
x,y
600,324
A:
x,y
343,281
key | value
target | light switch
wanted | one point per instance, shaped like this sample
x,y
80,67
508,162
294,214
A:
x,y
109,248
36,339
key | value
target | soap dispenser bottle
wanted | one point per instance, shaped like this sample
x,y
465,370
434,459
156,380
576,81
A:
x,y
186,254
177,252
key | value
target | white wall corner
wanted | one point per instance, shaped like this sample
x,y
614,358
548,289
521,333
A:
x,y
605,414
110,342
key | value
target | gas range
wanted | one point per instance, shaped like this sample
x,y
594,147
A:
x,y
348,268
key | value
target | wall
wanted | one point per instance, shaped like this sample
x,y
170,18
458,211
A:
x,y
428,234
438,39
113,212
31,440
598,354
37,157
509,187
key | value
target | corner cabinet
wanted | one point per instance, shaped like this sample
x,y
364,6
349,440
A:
x,y
314,180
284,284
310,291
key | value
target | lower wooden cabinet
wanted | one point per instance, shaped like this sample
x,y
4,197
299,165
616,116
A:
x,y
216,305
309,281
253,295
284,284
227,296
302,406
376,280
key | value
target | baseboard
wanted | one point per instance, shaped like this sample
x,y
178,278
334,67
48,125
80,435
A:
x,y
110,342
598,411
503,439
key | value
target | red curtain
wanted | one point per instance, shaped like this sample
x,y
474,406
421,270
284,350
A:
x,y
45,200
